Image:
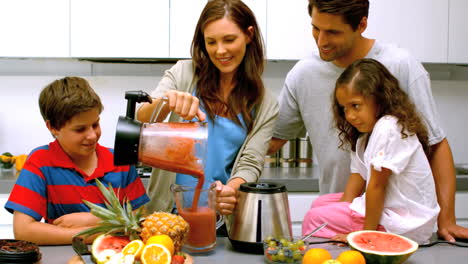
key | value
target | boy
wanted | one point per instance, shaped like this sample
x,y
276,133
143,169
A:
x,y
56,178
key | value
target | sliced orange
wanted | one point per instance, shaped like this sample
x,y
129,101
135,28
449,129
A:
x,y
164,240
155,254
133,248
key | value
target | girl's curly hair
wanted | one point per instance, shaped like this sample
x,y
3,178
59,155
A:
x,y
372,79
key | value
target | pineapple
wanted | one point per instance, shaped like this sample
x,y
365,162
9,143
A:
x,y
120,219
161,223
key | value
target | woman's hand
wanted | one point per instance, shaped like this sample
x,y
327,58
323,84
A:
x,y
226,195
226,198
185,105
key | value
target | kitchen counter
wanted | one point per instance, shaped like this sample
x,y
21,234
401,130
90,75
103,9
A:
x,y
306,179
226,255
295,179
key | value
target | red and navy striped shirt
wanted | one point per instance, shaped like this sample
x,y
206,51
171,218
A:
x,y
51,185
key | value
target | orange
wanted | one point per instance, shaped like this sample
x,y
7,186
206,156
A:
x,y
155,254
332,261
316,256
164,240
133,248
351,257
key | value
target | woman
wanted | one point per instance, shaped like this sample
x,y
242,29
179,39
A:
x,y
221,84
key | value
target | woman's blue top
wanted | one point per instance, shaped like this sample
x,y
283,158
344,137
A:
x,y
225,138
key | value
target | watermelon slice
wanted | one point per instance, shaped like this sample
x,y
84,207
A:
x,y
382,247
106,246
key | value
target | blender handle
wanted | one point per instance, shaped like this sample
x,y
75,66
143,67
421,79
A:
x,y
220,221
134,97
157,109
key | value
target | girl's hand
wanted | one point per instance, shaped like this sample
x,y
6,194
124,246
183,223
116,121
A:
x,y
77,220
342,238
185,105
226,198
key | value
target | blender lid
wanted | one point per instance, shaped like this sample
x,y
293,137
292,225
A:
x,y
262,187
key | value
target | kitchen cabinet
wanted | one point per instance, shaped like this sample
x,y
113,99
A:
x,y
458,32
119,28
184,16
289,31
6,219
421,26
32,28
299,204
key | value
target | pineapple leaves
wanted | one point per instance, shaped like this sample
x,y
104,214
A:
x,y
116,218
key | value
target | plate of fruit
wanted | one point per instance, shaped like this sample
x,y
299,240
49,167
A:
x,y
282,250
127,237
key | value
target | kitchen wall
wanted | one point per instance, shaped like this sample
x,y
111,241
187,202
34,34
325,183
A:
x,y
22,128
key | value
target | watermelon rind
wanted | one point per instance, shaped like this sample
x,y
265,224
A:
x,y
382,257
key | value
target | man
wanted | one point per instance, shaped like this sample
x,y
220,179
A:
x,y
305,100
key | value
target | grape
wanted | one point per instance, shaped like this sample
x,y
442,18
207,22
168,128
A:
x,y
268,239
281,256
297,255
283,241
272,244
294,247
274,257
273,251
300,243
282,250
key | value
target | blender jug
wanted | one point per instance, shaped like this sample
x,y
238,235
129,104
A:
x,y
176,147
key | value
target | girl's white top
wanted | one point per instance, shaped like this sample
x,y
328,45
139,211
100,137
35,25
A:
x,y
410,207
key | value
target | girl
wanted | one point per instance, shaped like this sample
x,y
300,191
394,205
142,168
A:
x,y
391,187
222,84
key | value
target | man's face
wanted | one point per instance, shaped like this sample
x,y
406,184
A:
x,y
335,39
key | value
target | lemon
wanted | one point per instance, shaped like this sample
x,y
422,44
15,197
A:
x,y
163,240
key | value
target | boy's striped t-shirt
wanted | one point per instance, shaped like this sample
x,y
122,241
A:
x,y
51,185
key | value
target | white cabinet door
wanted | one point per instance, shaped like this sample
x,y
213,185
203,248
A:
x,y
458,32
184,16
289,30
32,28
421,26
120,28
299,204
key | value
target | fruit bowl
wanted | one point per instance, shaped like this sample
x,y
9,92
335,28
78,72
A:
x,y
282,251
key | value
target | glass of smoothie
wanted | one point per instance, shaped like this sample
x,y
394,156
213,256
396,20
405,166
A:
x,y
198,207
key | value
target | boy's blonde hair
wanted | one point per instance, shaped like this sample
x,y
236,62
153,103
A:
x,y
64,98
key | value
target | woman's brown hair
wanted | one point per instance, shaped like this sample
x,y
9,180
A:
x,y
372,79
249,90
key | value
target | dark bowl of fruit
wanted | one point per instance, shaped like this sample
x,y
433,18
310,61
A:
x,y
282,250
18,251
